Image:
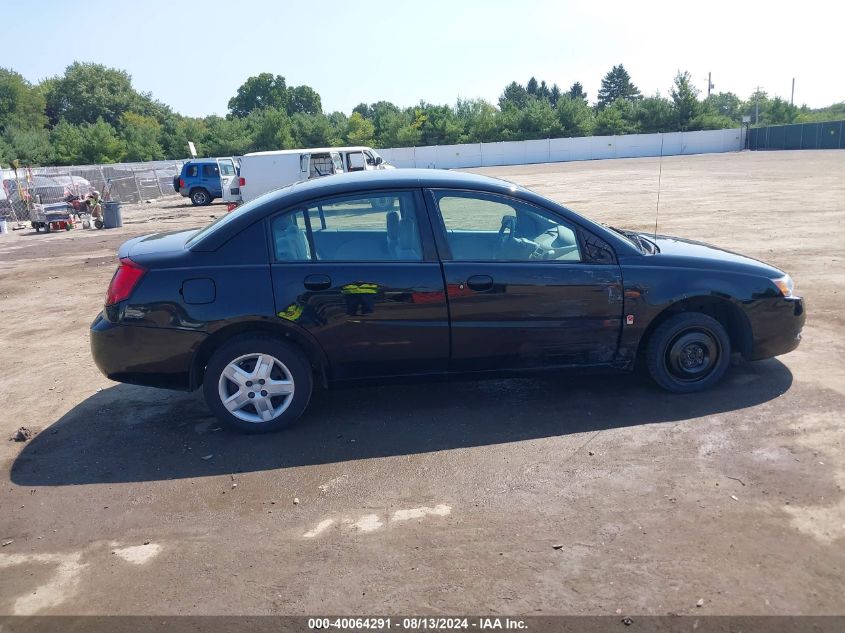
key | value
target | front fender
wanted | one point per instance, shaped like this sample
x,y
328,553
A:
x,y
651,291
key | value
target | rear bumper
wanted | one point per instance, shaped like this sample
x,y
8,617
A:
x,y
153,357
777,327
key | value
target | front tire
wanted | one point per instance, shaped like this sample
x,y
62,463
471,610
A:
x,y
688,352
257,384
200,197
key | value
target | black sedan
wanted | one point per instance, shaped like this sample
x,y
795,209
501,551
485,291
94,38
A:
x,y
419,273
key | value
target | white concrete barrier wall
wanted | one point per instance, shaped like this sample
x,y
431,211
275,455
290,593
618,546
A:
x,y
564,149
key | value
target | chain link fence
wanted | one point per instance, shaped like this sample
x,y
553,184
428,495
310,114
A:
x,y
121,182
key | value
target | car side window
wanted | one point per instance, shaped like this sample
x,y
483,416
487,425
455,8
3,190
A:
x,y
191,171
487,227
377,227
210,171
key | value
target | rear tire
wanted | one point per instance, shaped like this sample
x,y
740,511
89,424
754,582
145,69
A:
x,y
200,197
257,384
688,352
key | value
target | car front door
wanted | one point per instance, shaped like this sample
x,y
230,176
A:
x,y
363,278
523,289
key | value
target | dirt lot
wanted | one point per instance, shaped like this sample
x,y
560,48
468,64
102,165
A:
x,y
546,496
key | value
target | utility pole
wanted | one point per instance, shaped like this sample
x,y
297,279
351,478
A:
x,y
709,85
757,106
792,96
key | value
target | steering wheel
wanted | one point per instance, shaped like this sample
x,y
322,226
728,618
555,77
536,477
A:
x,y
540,252
506,231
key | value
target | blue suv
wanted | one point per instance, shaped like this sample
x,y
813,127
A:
x,y
202,180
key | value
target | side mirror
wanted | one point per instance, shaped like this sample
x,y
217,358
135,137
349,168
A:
x,y
379,160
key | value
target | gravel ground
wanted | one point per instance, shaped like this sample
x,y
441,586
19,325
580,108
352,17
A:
x,y
535,497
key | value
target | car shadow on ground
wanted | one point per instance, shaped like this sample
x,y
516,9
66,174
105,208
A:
x,y
132,434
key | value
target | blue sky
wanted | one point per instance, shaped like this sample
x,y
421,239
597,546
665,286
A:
x,y
195,59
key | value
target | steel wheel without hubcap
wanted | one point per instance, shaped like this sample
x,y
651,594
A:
x,y
256,387
692,355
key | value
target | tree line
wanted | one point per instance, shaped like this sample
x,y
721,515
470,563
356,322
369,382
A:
x,y
92,114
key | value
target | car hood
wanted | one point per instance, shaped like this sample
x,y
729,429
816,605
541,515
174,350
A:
x,y
681,252
155,244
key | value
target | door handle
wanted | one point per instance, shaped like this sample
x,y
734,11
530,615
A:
x,y
317,282
480,283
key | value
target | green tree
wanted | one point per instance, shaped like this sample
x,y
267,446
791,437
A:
x,y
440,126
338,122
756,106
88,92
227,137
575,117
554,95
21,104
408,136
67,142
654,114
140,136
725,104
270,129
543,92
835,112
478,120
576,91
685,100
780,112
315,130
539,120
531,87
514,95
616,85
303,99
177,130
617,118
360,131
261,91
30,146
100,143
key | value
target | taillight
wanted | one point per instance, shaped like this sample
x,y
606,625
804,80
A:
x,y
181,183
126,277
241,182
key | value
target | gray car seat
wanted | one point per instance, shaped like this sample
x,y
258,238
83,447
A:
x,y
409,243
291,243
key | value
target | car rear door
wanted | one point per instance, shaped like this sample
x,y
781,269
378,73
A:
x,y
522,291
363,278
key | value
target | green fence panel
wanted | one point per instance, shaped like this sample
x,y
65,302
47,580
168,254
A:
x,y
827,135
792,136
